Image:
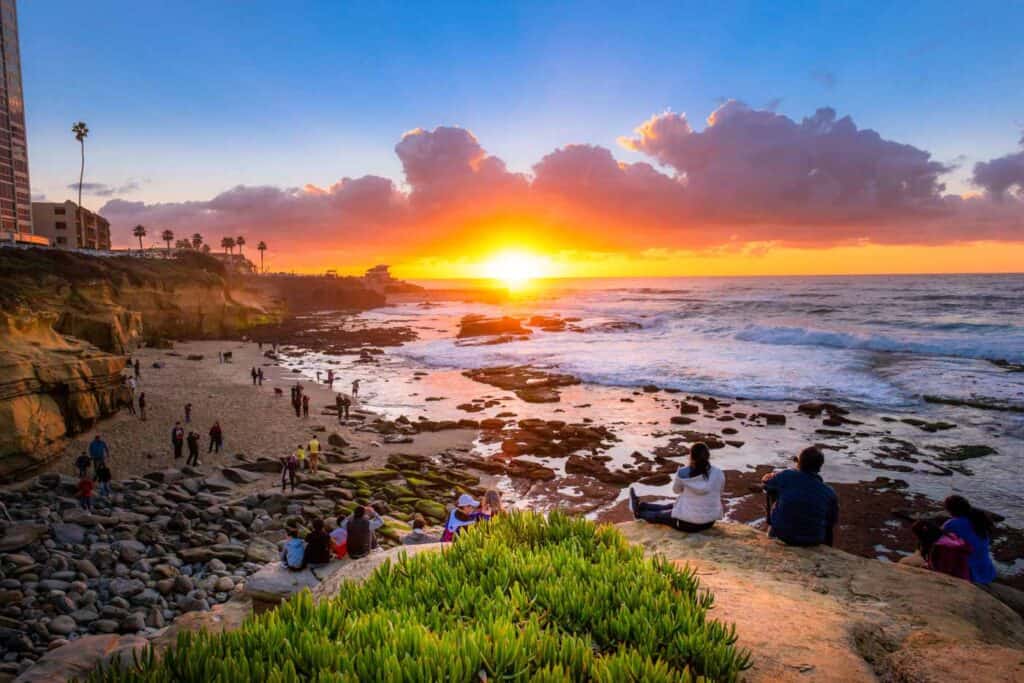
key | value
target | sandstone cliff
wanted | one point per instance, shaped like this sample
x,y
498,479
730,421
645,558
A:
x,y
50,386
69,317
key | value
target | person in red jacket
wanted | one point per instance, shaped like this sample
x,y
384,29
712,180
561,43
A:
x,y
85,493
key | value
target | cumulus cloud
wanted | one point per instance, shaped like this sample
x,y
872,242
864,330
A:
x,y
743,176
999,176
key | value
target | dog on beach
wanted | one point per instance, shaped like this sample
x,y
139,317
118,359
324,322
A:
x,y
278,391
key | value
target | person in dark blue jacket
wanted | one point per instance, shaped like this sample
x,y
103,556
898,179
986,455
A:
x,y
975,527
802,509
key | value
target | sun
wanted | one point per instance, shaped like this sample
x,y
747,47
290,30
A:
x,y
515,268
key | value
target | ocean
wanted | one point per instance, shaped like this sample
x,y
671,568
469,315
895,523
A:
x,y
875,345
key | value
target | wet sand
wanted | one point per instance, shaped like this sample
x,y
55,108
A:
x,y
255,422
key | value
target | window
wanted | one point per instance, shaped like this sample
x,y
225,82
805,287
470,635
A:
x,y
58,210
61,239
60,225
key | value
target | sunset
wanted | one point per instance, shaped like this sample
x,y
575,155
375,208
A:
x,y
518,341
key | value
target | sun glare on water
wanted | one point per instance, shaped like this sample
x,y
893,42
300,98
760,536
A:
x,y
515,269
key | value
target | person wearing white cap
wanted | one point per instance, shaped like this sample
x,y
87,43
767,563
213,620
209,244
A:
x,y
464,514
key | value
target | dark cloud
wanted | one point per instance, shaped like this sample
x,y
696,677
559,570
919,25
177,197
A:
x,y
105,190
999,176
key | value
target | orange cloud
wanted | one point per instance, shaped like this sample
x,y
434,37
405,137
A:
x,y
751,184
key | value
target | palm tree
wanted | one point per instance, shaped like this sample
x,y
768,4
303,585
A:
x,y
262,247
167,236
81,132
197,241
240,242
140,232
228,243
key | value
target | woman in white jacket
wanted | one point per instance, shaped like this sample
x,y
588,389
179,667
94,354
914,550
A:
x,y
699,503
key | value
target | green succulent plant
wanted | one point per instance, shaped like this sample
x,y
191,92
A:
x,y
523,597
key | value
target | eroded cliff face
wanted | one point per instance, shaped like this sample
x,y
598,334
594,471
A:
x,y
51,386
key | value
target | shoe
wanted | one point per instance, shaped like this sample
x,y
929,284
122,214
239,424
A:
x,y
634,503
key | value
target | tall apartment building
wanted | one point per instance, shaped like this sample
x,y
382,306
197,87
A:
x,y
15,196
66,228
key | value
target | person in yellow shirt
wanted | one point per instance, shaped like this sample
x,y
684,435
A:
x,y
314,454
300,455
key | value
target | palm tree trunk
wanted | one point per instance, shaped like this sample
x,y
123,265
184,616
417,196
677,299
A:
x,y
261,260
81,177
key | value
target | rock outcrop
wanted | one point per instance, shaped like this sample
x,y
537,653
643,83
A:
x,y
51,386
824,615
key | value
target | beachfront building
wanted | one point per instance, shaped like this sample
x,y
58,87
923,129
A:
x,y
67,228
15,195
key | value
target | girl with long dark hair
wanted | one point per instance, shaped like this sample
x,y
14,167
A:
x,y
699,504
975,527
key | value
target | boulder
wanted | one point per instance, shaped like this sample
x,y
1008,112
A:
x,y
481,326
275,582
75,659
71,534
17,536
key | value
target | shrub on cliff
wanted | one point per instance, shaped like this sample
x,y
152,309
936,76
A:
x,y
523,597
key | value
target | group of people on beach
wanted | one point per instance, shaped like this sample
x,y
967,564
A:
x,y
354,536
802,510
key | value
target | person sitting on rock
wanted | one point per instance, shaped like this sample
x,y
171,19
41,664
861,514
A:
x,y
974,527
318,545
293,554
82,464
699,504
492,505
802,509
361,527
419,534
339,538
465,514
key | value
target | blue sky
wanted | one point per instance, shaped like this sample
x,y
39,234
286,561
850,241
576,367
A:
x,y
187,99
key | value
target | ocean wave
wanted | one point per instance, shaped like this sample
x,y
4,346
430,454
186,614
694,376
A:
x,y
1009,347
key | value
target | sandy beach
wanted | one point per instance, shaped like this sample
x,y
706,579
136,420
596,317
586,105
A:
x,y
255,421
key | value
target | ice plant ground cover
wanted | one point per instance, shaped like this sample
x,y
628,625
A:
x,y
524,597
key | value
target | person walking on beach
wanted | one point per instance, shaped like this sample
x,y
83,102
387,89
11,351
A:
x,y
103,478
300,455
216,438
193,448
142,405
337,406
82,464
344,402
98,451
138,369
314,454
330,378
188,413
305,405
259,376
802,509
220,356
85,493
177,439
318,377
289,466
355,388
131,395
255,375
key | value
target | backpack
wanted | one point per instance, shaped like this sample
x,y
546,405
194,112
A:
x,y
949,555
